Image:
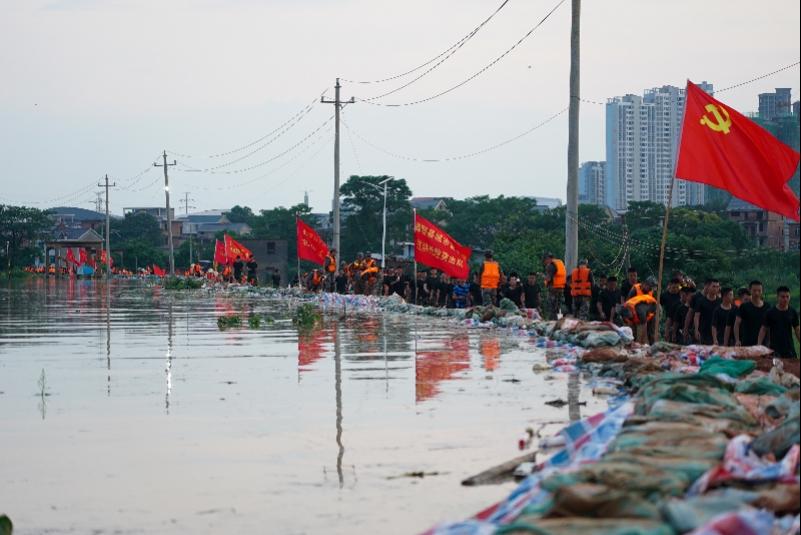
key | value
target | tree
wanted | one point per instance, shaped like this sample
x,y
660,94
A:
x,y
363,197
139,226
21,227
240,214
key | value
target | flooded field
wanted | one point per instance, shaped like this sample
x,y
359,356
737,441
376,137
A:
x,y
130,411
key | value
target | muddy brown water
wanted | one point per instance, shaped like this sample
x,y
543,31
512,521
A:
x,y
130,411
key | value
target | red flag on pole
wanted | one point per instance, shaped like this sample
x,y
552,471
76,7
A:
x,y
233,249
725,149
219,253
435,248
105,258
311,246
71,256
157,271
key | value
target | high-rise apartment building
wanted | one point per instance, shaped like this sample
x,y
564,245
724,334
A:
x,y
776,104
591,183
642,135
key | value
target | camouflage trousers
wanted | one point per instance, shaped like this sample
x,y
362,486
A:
x,y
581,307
555,299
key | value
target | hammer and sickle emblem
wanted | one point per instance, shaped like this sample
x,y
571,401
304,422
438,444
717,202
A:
x,y
719,124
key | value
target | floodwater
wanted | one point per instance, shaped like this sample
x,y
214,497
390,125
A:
x,y
130,411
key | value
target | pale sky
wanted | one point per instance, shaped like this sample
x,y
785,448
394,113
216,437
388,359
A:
x,y
91,87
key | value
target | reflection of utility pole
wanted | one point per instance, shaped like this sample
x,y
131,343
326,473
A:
x,y
165,165
338,390
168,367
108,231
337,108
108,339
573,385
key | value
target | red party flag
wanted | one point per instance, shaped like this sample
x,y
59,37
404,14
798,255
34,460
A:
x,y
233,249
434,247
157,271
219,253
83,258
71,256
725,149
311,246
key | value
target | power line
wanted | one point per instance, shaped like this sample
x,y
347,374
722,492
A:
x,y
457,44
443,60
215,170
458,157
786,67
299,115
475,75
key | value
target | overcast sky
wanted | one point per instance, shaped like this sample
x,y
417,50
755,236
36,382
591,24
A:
x,y
91,87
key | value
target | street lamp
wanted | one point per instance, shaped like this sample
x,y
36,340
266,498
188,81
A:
x,y
384,232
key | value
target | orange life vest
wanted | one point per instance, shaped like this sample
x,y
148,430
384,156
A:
x,y
490,275
316,278
580,282
638,290
560,277
632,303
369,267
331,265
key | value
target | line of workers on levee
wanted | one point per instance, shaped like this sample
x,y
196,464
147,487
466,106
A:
x,y
710,315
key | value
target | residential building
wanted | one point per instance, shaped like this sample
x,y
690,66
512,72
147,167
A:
x,y
776,104
430,203
766,229
269,255
591,183
208,231
72,217
190,223
642,135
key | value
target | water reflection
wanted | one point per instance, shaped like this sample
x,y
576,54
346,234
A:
x,y
338,395
434,367
108,340
168,366
490,349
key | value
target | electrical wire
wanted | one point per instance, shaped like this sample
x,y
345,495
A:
x,y
473,76
299,115
456,45
440,62
214,170
766,75
458,157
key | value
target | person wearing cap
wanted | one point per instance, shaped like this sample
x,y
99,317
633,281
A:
x,y
555,280
490,278
330,268
581,289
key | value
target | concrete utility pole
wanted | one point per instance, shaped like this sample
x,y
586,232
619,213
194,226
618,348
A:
x,y
571,219
108,229
169,215
337,107
185,201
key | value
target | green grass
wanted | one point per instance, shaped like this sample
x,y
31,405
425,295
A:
x,y
182,283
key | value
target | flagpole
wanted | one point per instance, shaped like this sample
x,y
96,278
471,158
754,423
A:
x,y
414,220
297,252
658,314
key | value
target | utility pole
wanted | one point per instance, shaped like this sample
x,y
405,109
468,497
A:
x,y
108,229
571,219
337,108
185,201
169,215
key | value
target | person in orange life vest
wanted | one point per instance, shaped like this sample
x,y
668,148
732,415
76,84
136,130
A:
x,y
252,267
330,268
356,273
639,312
581,289
490,278
369,273
555,281
315,280
227,273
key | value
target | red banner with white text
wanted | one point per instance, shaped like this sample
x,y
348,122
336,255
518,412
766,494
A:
x,y
311,246
435,248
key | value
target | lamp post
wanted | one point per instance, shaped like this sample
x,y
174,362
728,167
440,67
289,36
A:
x,y
384,217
